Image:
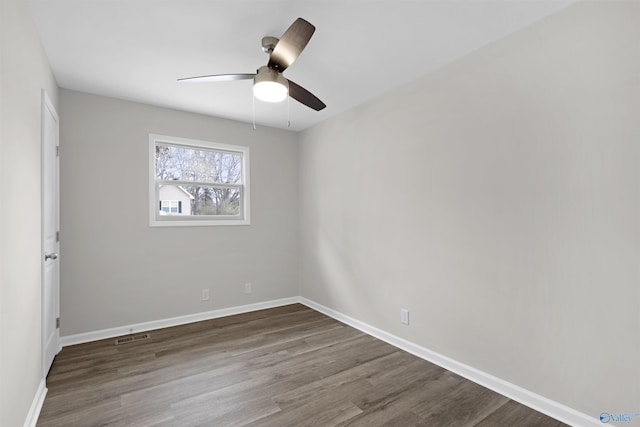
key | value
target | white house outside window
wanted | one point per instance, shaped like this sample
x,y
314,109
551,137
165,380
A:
x,y
196,182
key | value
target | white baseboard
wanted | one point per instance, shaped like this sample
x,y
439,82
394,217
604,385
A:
x,y
173,321
540,403
36,405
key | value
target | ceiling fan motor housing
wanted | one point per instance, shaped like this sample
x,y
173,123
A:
x,y
269,43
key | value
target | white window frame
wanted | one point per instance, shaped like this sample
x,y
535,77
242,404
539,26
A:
x,y
157,220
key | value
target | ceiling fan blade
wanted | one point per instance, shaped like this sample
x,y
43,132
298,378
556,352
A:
x,y
305,97
291,44
217,78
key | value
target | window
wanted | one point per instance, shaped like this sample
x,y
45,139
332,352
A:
x,y
169,207
197,182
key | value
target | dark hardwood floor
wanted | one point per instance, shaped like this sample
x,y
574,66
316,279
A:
x,y
287,366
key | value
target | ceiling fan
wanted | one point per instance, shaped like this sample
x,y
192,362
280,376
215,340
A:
x,y
268,82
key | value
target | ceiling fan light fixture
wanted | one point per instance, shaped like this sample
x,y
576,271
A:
x,y
270,86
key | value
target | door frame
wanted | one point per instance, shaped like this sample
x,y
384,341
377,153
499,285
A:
x,y
47,106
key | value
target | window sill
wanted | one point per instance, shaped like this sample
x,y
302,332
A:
x,y
198,222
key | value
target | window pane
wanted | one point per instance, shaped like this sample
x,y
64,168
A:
x,y
213,201
197,164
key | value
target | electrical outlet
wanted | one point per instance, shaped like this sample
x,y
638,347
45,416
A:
x,y
247,288
205,294
404,316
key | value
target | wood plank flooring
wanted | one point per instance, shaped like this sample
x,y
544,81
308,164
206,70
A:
x,y
287,366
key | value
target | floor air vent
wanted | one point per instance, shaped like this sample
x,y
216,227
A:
x,y
132,338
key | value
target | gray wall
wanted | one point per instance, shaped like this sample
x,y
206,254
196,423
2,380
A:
x,y
498,200
24,72
115,269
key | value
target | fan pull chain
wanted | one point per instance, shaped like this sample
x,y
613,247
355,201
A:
x,y
288,112
253,109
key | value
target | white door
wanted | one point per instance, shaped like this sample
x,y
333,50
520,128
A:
x,y
50,235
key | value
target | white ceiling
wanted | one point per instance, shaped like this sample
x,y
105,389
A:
x,y
136,49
